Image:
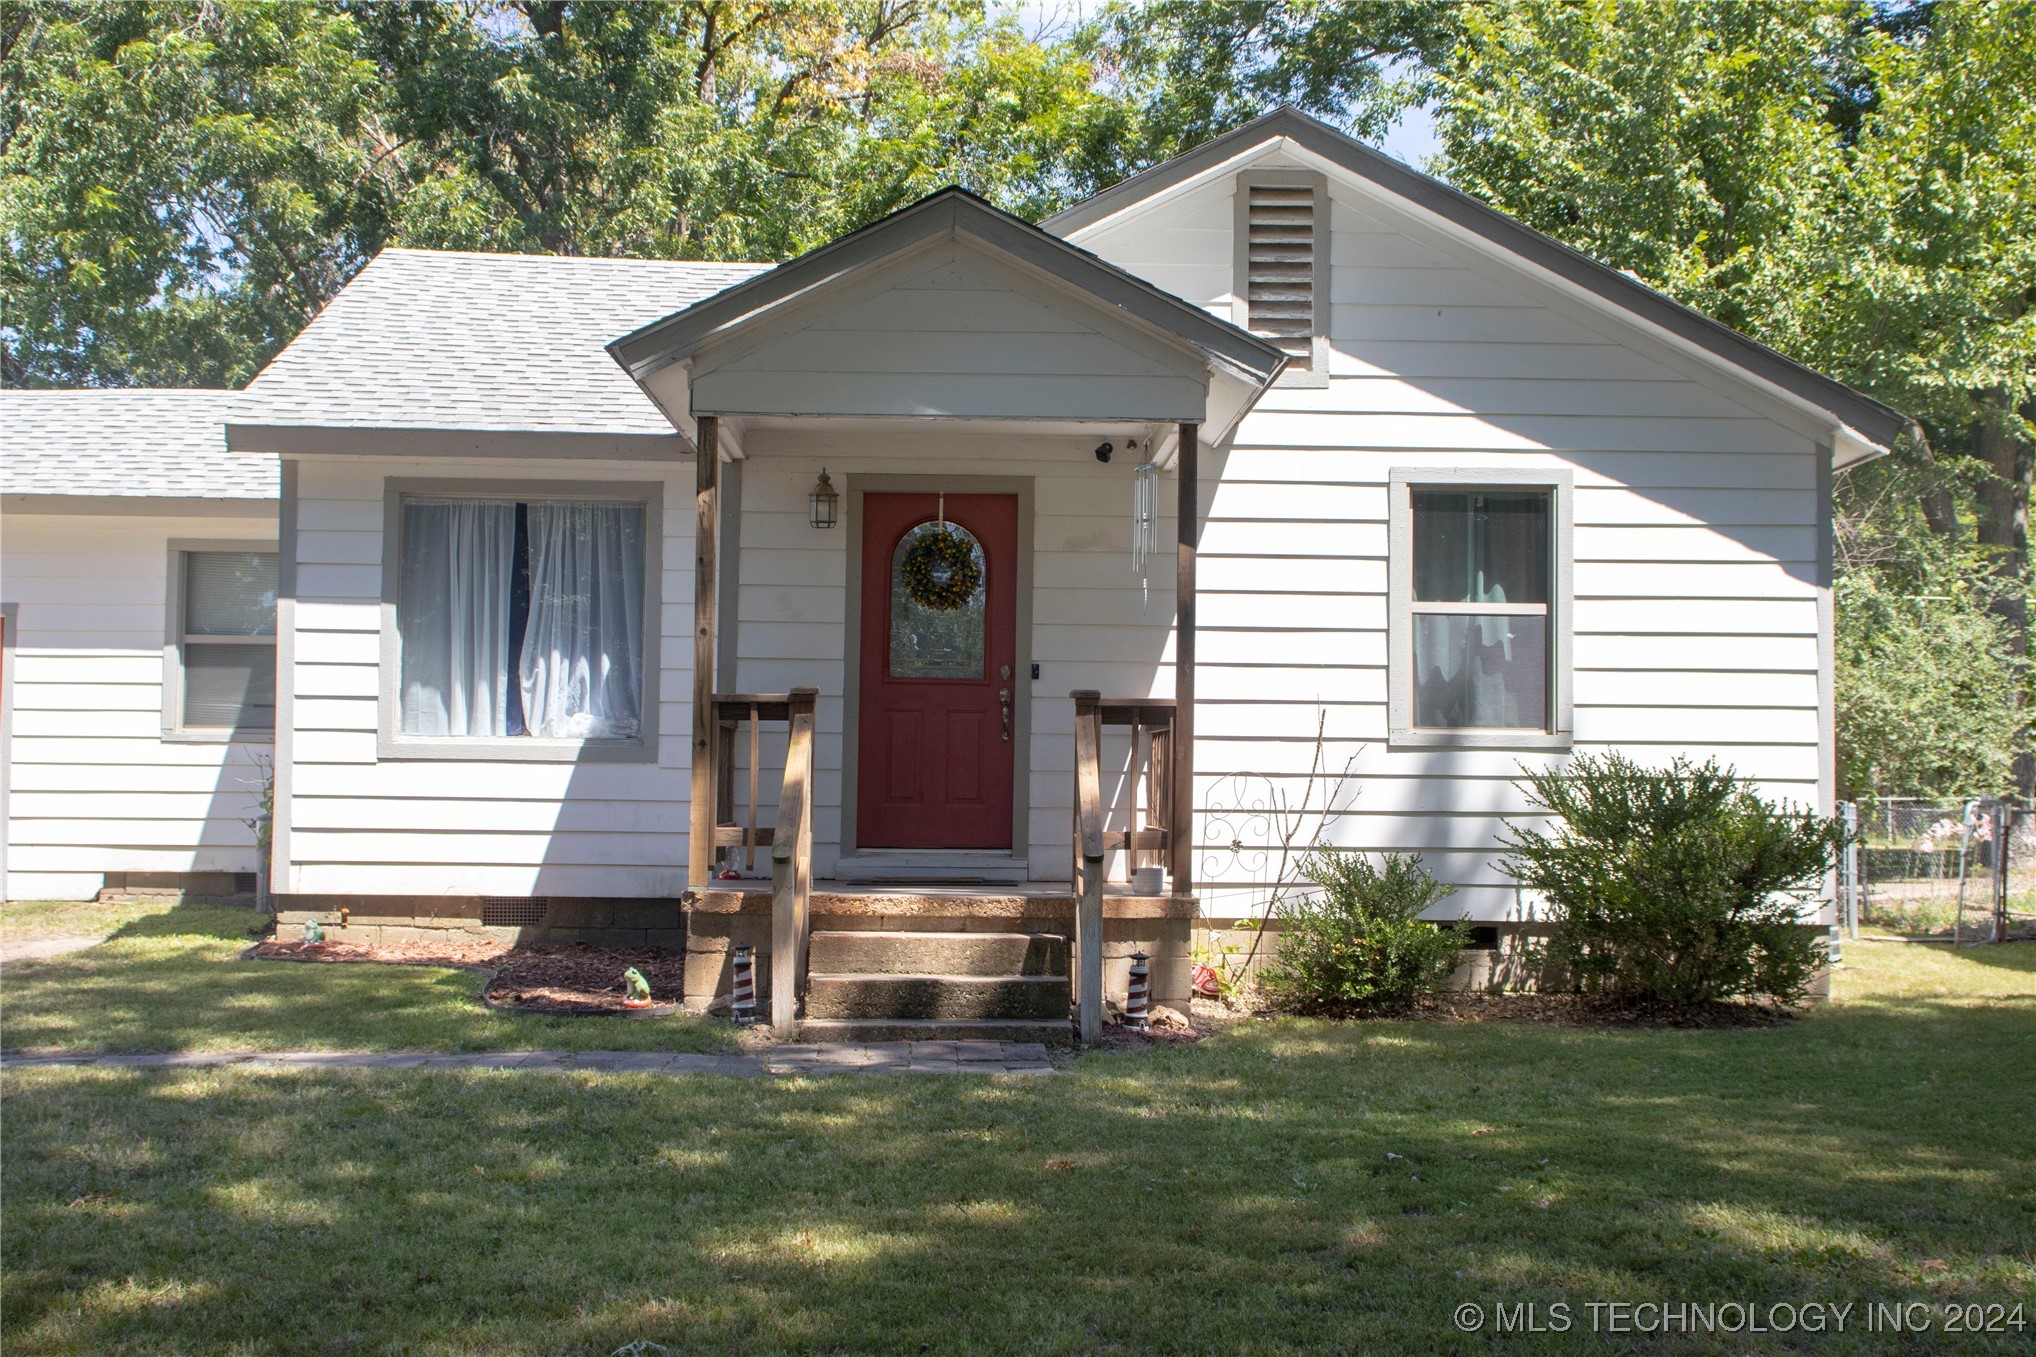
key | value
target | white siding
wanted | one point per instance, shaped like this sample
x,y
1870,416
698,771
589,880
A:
x,y
951,332
1696,538
1088,627
92,785
360,825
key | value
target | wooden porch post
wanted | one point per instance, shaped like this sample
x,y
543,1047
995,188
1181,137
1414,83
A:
x,y
1181,836
707,508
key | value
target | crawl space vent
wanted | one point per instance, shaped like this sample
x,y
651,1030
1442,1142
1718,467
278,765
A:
x,y
512,912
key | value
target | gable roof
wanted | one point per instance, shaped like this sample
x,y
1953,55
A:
x,y
1878,423
436,339
648,350
126,443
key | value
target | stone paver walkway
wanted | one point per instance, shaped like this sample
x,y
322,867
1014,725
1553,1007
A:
x,y
889,1057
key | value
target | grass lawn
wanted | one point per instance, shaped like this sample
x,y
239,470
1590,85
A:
x,y
1285,1186
40,920
170,979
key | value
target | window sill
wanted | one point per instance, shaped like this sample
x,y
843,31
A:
x,y
1480,739
219,736
514,749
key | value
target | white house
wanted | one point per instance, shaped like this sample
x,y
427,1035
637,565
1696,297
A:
x,y
137,642
1399,470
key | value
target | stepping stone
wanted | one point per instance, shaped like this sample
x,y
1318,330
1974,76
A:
x,y
476,1060
622,1062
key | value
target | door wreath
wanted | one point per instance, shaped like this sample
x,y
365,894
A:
x,y
940,570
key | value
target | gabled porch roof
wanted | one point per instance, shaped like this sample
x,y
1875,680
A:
x,y
949,308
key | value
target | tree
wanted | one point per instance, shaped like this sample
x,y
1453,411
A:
x,y
1190,70
184,182
180,185
1853,185
1926,691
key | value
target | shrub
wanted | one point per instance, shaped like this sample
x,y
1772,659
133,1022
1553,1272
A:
x,y
1679,886
1356,945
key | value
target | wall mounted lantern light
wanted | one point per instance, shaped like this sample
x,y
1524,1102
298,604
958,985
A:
x,y
825,501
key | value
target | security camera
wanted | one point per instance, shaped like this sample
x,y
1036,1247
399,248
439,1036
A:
x,y
1103,451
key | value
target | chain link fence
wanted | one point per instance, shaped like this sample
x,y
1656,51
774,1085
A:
x,y
1963,871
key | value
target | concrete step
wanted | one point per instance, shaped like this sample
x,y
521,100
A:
x,y
952,997
917,866
856,952
1059,1033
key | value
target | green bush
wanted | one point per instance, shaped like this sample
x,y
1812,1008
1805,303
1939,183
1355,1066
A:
x,y
1679,886
1356,945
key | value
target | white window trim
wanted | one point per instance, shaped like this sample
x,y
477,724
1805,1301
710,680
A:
x,y
174,729
1316,374
1402,733
391,743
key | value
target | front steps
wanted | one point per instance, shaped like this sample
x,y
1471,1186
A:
x,y
926,867
927,986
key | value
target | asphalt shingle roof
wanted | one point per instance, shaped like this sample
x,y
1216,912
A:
x,y
126,442
431,339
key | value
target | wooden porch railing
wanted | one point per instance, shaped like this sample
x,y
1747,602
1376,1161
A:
x,y
1156,824
790,840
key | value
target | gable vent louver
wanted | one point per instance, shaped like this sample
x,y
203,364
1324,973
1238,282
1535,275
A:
x,y
1280,268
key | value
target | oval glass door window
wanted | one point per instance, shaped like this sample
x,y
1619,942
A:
x,y
937,643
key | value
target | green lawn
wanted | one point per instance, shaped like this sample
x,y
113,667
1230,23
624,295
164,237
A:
x,y
1293,1185
38,920
170,979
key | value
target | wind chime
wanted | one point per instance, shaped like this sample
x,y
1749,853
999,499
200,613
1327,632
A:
x,y
1144,528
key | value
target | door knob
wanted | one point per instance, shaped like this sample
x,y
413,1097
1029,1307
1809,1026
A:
x,y
1004,700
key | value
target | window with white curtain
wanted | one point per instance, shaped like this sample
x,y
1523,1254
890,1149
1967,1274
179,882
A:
x,y
1479,623
223,654
521,618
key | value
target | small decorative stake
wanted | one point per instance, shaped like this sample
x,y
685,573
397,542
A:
x,y
314,936
1137,1000
743,1005
635,989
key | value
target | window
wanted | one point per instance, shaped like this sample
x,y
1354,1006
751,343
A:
x,y
937,643
1283,267
220,670
520,620
1479,609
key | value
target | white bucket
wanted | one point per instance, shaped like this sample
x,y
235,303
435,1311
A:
x,y
1148,881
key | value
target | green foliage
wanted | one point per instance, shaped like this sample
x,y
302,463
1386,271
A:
x,y
1678,886
1189,70
1357,945
184,182
1926,693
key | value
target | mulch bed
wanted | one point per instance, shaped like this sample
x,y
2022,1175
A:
x,y
570,979
1576,1010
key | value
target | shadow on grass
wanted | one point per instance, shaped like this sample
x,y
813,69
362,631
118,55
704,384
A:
x,y
175,981
1289,1186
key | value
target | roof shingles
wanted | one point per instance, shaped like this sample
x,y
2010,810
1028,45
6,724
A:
x,y
126,443
429,339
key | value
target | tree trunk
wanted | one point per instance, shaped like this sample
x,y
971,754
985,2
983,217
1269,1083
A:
x,y
2003,524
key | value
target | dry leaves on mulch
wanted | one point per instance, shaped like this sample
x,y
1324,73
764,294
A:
x,y
543,977
1576,1010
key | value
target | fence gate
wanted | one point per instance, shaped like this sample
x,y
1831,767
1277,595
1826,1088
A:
x,y
1961,872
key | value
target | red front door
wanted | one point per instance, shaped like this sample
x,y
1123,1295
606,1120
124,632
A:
x,y
934,731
